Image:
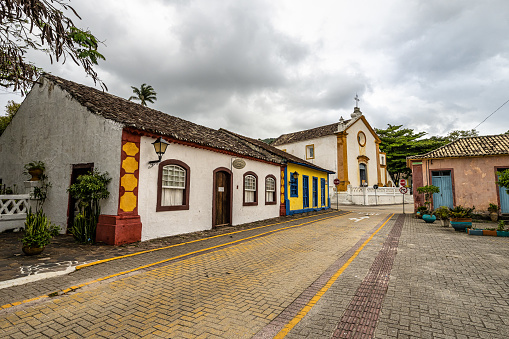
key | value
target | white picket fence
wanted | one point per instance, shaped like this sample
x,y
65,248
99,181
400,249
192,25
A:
x,y
370,196
13,211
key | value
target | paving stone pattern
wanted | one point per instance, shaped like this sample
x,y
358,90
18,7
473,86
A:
x,y
229,293
446,284
203,240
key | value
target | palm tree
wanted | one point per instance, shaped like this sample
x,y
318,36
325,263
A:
x,y
143,94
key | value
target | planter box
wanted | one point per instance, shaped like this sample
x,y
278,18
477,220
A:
x,y
429,218
487,232
475,232
502,233
461,224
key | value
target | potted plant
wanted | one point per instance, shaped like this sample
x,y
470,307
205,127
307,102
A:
x,y
428,191
461,217
38,232
89,189
420,211
35,169
493,210
443,214
501,232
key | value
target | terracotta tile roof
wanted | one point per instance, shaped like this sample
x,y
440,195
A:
x,y
470,147
278,152
312,133
143,118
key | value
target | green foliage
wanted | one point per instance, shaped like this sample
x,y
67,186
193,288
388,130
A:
x,y
268,141
462,212
89,189
399,143
428,192
493,208
34,165
503,179
501,225
442,212
38,229
41,25
143,94
456,134
83,229
11,108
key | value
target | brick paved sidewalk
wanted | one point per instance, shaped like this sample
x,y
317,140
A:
x,y
66,249
441,284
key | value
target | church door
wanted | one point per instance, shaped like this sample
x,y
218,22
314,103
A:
x,y
363,175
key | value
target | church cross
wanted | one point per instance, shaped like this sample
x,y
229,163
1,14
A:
x,y
356,100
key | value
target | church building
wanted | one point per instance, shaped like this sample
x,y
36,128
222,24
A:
x,y
350,148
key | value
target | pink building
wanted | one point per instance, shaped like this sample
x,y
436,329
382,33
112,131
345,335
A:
x,y
465,170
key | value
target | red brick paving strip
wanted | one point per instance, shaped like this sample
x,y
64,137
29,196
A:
x,y
273,328
360,317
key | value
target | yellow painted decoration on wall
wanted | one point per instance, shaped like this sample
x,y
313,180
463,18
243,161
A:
x,y
130,149
129,182
130,165
128,202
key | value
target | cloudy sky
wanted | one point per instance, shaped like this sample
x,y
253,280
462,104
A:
x,y
264,68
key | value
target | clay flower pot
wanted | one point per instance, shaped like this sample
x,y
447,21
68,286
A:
x,y
36,174
32,250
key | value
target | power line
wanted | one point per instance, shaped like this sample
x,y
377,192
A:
x,y
491,114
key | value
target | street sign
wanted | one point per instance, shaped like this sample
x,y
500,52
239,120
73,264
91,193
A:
x,y
375,187
402,182
336,181
403,190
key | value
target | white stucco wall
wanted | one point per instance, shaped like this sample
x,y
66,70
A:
x,y
354,150
52,127
202,163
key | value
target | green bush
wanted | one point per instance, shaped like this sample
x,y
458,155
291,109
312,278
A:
x,y
38,230
89,189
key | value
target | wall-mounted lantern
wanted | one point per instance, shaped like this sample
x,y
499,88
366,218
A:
x,y
295,175
160,146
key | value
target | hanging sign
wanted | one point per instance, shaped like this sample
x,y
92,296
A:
x,y
239,163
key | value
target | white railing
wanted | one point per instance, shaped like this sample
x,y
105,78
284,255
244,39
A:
x,y
370,196
13,210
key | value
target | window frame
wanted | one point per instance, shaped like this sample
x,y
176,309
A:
x,y
185,205
294,186
305,192
322,191
311,147
274,193
244,203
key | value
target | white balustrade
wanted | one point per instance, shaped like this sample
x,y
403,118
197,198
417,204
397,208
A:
x,y
13,210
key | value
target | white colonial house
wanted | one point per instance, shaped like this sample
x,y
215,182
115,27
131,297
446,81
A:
x,y
350,148
205,179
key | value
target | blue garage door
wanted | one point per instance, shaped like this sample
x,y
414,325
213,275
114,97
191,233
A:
x,y
442,179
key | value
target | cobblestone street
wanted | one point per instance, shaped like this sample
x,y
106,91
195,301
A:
x,y
332,275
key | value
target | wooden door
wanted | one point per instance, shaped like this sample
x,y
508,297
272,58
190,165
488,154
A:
x,y
442,179
222,198
72,211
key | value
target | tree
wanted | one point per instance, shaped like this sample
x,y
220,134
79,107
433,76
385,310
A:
x,y
456,134
11,108
143,94
503,179
398,143
41,25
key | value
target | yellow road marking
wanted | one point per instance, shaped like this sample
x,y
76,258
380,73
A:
x,y
302,313
185,243
177,257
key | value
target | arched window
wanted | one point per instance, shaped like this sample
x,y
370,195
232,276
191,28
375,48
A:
x,y
270,190
173,186
250,189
